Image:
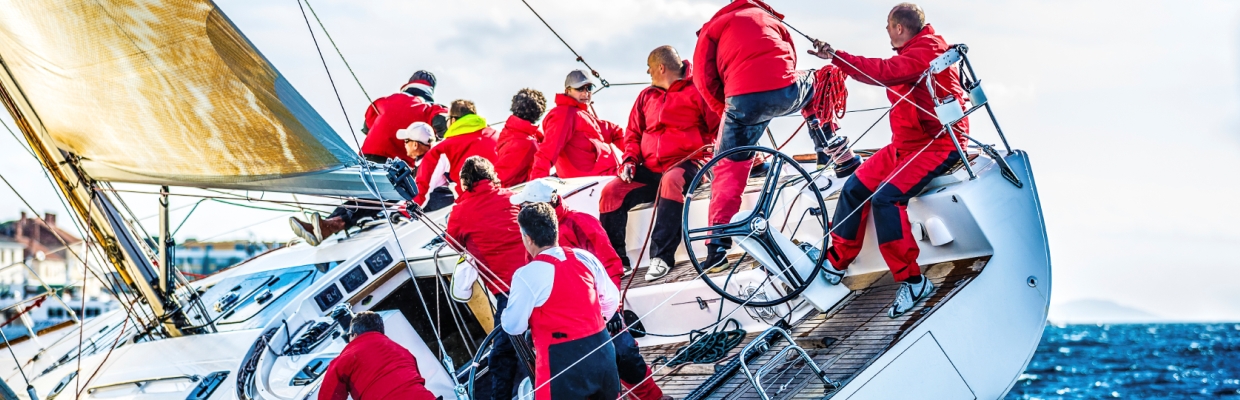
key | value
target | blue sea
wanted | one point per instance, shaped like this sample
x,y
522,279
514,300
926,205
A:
x,y
1134,361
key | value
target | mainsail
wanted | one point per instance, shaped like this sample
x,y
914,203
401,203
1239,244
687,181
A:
x,y
166,92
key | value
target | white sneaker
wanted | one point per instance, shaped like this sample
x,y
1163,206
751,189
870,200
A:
x,y
909,295
830,274
658,269
311,232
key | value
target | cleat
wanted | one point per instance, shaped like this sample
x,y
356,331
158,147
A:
x,y
658,269
909,295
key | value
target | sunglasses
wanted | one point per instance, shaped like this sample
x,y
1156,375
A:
x,y
586,88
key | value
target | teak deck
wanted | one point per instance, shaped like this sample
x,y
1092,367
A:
x,y
843,340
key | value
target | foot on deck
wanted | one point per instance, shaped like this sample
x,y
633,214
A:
x,y
909,295
658,269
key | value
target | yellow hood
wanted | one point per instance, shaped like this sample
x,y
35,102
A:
x,y
468,124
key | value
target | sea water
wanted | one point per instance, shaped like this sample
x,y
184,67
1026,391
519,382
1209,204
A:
x,y
1134,361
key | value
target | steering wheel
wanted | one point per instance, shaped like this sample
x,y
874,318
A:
x,y
757,228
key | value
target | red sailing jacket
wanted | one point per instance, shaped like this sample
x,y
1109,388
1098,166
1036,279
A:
x,y
518,143
576,142
583,231
467,137
668,125
911,128
389,114
743,49
485,222
373,367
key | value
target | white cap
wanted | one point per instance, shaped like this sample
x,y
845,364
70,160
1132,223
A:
x,y
535,191
577,78
420,132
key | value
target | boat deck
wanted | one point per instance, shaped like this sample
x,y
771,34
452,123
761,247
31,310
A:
x,y
843,340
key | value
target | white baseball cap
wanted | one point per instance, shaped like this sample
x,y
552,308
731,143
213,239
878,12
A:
x,y
535,191
420,132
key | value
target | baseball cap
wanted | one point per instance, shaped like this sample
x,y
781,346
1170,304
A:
x,y
577,78
420,132
536,191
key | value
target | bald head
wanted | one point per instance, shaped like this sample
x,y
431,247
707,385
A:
x,y
664,66
903,22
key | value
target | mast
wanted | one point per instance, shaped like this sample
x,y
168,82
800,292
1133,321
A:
x,y
101,217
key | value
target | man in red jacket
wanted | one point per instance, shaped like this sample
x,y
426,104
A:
x,y
387,115
920,150
467,136
663,149
484,220
746,69
518,142
576,142
373,367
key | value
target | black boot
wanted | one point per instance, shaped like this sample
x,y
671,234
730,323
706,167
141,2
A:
x,y
716,259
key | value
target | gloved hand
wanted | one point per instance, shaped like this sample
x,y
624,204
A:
x,y
615,324
627,170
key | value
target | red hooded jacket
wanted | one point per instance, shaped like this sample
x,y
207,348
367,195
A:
x,y
485,222
389,114
518,143
372,366
668,125
743,49
911,128
583,231
576,142
467,137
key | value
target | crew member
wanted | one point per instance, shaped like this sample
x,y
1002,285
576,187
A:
x,y
563,297
579,230
387,115
663,149
518,141
920,149
577,143
468,135
484,220
416,141
372,367
746,69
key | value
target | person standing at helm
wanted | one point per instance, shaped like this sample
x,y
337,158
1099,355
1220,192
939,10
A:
x,y
746,69
518,141
920,150
669,125
467,136
576,142
563,298
387,115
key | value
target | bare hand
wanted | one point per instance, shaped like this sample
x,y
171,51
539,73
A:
x,y
822,50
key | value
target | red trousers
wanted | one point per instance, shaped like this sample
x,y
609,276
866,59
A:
x,y
866,194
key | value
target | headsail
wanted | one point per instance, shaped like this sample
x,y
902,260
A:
x,y
160,92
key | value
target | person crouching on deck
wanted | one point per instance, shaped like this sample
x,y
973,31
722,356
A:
x,y
484,220
579,230
669,125
920,150
468,135
372,366
575,141
518,141
563,298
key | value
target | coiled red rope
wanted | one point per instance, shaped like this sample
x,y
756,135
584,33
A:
x,y
830,96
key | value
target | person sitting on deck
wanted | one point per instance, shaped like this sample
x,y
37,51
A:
x,y
372,366
576,142
563,298
484,220
518,141
579,230
467,136
920,149
668,127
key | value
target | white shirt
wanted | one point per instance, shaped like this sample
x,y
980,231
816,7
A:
x,y
531,287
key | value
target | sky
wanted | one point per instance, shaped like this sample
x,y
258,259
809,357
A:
x,y
1129,111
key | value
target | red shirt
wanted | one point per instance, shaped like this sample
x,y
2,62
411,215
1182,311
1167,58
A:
x,y
485,222
576,142
389,114
583,231
518,143
911,128
457,147
373,367
743,49
666,126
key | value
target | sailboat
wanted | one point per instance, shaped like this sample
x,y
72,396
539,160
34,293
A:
x,y
178,97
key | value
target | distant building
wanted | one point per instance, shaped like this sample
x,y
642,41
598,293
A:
x,y
29,244
205,258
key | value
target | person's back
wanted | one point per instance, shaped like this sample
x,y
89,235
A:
x,y
743,49
387,115
518,141
485,222
373,367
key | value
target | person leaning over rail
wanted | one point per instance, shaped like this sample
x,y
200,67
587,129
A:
x,y
563,298
669,125
484,220
920,150
575,141
518,141
467,136
579,230
372,366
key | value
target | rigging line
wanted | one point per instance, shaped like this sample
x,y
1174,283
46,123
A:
x,y
570,48
868,109
342,59
186,219
19,141
244,227
329,77
15,360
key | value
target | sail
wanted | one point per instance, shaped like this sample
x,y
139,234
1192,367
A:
x,y
166,92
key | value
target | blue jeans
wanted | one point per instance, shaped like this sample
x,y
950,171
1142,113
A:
x,y
747,115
